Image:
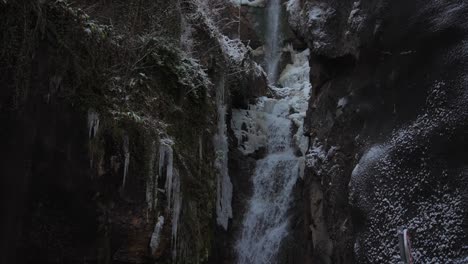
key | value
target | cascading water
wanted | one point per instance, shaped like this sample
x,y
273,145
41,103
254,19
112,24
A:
x,y
273,35
266,222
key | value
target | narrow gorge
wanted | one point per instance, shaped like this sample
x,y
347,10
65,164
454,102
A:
x,y
233,131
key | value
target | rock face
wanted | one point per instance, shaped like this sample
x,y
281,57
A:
x,y
387,122
109,123
119,144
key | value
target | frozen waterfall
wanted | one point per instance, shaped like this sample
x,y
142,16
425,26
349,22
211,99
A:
x,y
266,221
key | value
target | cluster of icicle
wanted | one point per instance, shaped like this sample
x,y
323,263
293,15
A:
x,y
172,192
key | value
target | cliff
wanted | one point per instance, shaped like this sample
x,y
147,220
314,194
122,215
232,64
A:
x,y
110,113
387,125
145,131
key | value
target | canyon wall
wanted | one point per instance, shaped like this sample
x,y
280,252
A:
x,y
387,125
130,129
113,113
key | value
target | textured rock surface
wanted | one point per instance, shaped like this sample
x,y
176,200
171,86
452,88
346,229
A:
x,y
387,116
108,128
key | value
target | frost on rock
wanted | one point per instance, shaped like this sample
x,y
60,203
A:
x,y
315,157
233,48
402,183
356,18
317,17
293,6
156,235
93,123
236,54
316,14
224,185
312,17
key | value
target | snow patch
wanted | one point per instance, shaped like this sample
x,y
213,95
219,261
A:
x,y
342,102
292,5
316,13
233,48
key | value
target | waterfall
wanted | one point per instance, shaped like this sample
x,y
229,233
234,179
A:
x,y
266,222
272,39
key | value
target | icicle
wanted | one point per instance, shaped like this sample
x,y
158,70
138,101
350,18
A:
x,y
172,188
126,151
224,185
166,162
93,123
177,206
152,180
200,147
156,236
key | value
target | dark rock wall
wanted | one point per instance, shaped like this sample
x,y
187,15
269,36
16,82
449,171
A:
x,y
389,94
66,197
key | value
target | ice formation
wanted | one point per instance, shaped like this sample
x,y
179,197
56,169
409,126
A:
x,y
172,187
93,123
126,151
266,222
224,185
156,235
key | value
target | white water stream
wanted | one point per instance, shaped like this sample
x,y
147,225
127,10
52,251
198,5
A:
x,y
273,36
270,124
